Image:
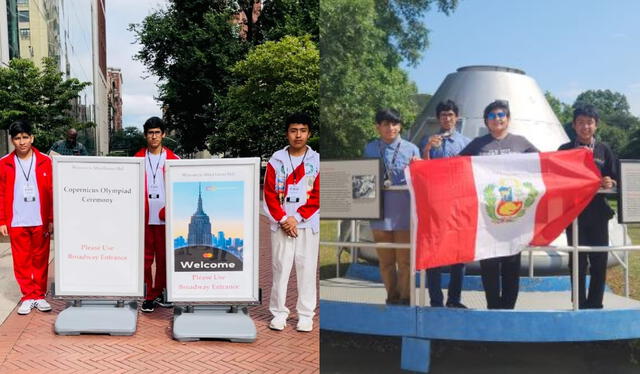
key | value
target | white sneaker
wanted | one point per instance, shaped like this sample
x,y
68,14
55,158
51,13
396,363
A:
x,y
42,305
278,323
26,306
305,325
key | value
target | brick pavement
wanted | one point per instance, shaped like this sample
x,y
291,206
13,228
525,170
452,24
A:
x,y
29,345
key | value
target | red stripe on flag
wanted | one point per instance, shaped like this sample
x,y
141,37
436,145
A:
x,y
446,209
571,179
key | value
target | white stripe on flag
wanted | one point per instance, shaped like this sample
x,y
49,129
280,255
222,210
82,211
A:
x,y
509,188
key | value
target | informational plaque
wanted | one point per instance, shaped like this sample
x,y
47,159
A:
x,y
98,226
351,189
629,188
212,230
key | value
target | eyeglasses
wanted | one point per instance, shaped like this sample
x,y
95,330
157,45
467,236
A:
x,y
493,115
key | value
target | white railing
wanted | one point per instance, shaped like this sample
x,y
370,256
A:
x,y
573,250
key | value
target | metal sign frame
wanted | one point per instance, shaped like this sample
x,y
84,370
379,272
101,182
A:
x,y
350,166
89,216
208,171
624,167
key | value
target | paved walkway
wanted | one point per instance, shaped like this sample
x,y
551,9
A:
x,y
29,345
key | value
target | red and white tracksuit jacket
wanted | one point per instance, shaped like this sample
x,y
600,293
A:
x,y
303,249
29,245
280,176
154,241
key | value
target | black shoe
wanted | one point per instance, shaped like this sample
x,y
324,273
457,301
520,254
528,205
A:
x,y
148,306
161,302
456,304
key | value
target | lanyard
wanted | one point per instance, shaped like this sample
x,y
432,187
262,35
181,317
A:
x,y
26,175
590,146
293,170
387,174
154,172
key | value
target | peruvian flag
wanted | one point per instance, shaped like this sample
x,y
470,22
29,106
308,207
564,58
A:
x,y
470,208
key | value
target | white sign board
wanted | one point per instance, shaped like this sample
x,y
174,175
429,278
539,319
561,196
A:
x,y
212,230
629,188
351,189
98,226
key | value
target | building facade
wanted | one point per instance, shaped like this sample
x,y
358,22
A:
x,y
200,226
115,99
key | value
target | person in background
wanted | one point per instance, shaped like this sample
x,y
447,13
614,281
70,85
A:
x,y
593,222
395,154
70,146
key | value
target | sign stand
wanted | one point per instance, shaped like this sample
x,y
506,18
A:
x,y
99,226
98,317
192,323
212,210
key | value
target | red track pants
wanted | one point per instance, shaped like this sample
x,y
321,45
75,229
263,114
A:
x,y
30,250
154,246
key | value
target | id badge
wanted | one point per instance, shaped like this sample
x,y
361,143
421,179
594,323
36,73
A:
x,y
294,194
29,193
154,191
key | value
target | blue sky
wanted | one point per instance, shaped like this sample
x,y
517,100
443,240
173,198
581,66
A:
x,y
567,46
223,202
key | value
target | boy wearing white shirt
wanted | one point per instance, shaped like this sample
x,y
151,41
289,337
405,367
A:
x,y
292,203
26,215
154,234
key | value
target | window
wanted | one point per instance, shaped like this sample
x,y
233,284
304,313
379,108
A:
x,y
23,16
25,33
23,2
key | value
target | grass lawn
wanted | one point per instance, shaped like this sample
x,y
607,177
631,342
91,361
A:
x,y
615,276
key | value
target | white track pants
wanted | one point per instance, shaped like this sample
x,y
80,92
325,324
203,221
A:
x,y
302,250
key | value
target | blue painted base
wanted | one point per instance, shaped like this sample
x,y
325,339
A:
x,y
481,325
472,282
416,354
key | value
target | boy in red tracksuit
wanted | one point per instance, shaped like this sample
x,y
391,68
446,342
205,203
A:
x,y
26,215
292,203
154,234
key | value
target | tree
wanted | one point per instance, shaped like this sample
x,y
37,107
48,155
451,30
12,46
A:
x,y
563,111
41,96
606,101
275,80
616,121
192,45
280,18
355,78
405,34
127,141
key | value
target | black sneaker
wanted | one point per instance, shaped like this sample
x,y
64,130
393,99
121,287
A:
x,y
161,302
455,304
148,306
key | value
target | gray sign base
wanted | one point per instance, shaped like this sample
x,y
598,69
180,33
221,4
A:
x,y
98,317
213,322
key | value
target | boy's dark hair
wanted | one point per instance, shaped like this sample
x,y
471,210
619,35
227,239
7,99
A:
x,y
497,104
299,117
154,123
586,110
388,114
445,106
19,127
